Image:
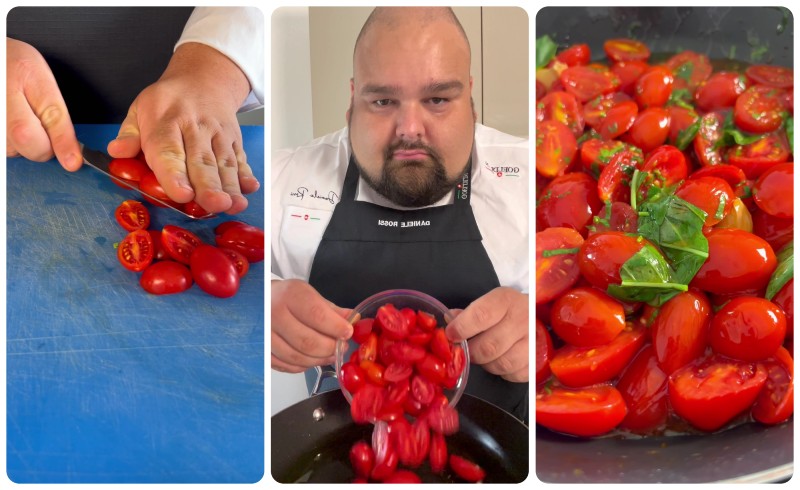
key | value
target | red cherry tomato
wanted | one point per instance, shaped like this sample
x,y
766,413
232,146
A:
x,y
759,109
367,404
544,352
587,82
776,231
618,119
443,419
589,411
135,251
432,368
710,392
362,458
159,252
438,454
596,153
774,191
369,348
397,371
556,267
562,107
584,366
706,143
403,476
569,201
239,261
681,119
587,317
720,91
426,321
775,403
195,210
352,377
689,69
614,181
166,277
132,215
392,322
665,166
422,389
737,261
596,109
466,469
247,240
619,217
649,130
784,298
149,185
680,330
654,87
440,345
213,271
227,225
748,329
556,147
625,49
711,194
628,73
731,174
643,386
386,468
577,54
362,329
130,170
454,367
761,155
179,242
771,75
602,255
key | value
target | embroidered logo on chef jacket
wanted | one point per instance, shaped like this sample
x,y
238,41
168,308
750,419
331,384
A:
x,y
502,171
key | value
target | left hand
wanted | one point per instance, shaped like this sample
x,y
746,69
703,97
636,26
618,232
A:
x,y
496,326
185,123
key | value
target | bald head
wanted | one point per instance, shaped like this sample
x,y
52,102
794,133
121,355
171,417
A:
x,y
405,18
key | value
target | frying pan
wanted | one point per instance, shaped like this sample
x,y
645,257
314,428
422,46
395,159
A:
x,y
748,453
311,440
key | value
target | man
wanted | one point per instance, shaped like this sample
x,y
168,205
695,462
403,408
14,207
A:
x,y
185,122
411,154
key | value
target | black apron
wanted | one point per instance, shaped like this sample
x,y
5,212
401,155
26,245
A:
x,y
439,252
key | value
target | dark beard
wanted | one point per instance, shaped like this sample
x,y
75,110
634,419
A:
x,y
411,183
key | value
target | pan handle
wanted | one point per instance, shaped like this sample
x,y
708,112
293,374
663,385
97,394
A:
x,y
321,375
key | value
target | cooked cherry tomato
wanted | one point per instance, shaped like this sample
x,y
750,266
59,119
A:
x,y
643,386
247,240
602,255
759,109
166,277
132,215
682,121
649,130
618,119
130,170
710,392
362,458
776,231
135,251
775,403
544,352
748,329
665,166
466,469
577,54
587,82
556,264
689,69
708,136
774,191
562,107
569,200
654,87
711,194
403,476
596,109
785,299
213,271
587,317
179,242
619,217
555,148
628,72
771,75
614,181
680,330
731,174
596,153
625,49
584,366
589,411
152,188
720,91
761,155
737,261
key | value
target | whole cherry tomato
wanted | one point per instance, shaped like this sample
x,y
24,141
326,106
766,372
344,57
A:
x,y
352,377
587,317
362,458
776,231
466,469
438,454
774,191
166,277
737,261
577,54
720,91
247,240
130,170
213,271
569,200
748,329
649,130
152,188
654,87
680,330
602,255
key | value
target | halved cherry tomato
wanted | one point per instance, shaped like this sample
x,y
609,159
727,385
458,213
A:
x,y
625,49
649,130
385,468
587,82
654,87
569,200
643,386
619,216
438,454
440,345
759,109
577,54
680,330
132,215
785,299
710,392
775,403
366,404
397,393
247,240
596,109
179,242
628,72
397,371
748,329
761,155
618,119
369,348
706,142
195,210
544,352
135,251
362,458
596,153
602,255
556,264
587,317
405,351
391,322
352,377
664,166
239,261
689,69
737,261
562,107
159,252
711,194
454,367
149,185
432,368
130,170
681,123
466,469
614,181
774,190
423,389
213,271
403,476
166,277
720,91
584,366
555,148
771,75
362,329
443,419
589,411
426,321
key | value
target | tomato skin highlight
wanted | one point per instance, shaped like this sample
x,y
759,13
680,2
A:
x,y
213,271
166,277
586,317
590,411
748,329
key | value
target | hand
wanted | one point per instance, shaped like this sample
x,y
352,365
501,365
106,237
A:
x,y
496,325
305,327
185,123
38,125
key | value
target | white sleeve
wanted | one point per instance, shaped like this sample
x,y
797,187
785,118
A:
x,y
238,33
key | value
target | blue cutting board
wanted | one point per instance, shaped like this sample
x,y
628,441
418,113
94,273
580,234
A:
x,y
106,383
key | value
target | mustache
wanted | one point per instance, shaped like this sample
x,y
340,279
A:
x,y
409,145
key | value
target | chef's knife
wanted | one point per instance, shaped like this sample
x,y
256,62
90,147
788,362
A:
x,y
100,161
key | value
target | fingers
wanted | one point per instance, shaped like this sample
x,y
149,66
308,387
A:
x,y
164,151
279,365
213,170
247,181
290,356
128,142
481,314
494,342
512,365
26,135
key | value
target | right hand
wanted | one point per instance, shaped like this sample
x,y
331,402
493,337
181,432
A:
x,y
38,125
305,327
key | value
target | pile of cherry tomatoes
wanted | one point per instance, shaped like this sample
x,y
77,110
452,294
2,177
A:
x,y
397,378
664,252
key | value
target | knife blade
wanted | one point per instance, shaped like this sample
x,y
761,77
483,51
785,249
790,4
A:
x,y
101,161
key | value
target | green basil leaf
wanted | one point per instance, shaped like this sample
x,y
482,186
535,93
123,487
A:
x,y
646,276
731,135
783,273
686,136
790,132
545,51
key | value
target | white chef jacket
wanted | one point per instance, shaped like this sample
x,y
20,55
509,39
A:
x,y
238,33
307,184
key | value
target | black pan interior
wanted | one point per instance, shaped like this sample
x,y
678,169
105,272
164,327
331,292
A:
x,y
310,451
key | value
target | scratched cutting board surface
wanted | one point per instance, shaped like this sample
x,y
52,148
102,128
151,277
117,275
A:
x,y
106,383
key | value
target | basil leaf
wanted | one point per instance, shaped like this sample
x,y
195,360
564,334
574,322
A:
x,y
731,135
646,276
545,50
676,226
783,273
790,132
686,136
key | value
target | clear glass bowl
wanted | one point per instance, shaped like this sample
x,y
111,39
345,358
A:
x,y
402,298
